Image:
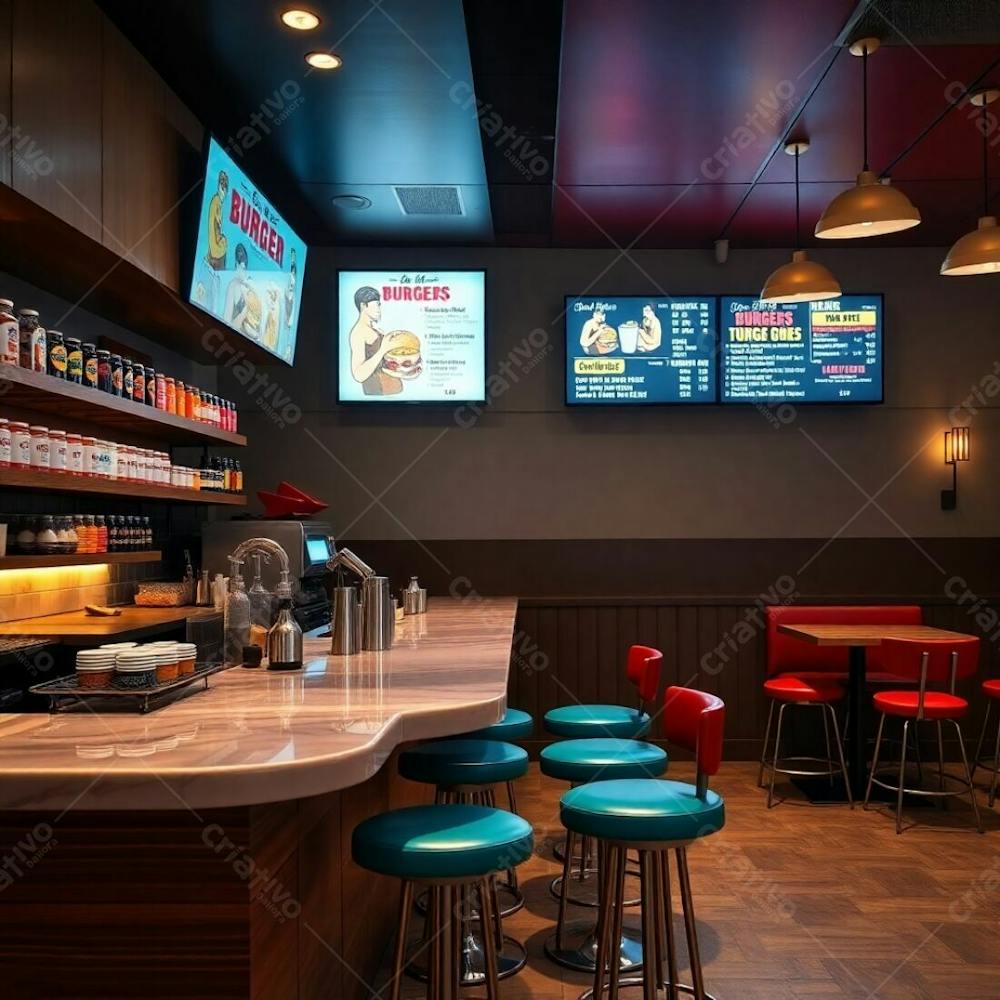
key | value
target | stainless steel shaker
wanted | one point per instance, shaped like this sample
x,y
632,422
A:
x,y
346,621
378,613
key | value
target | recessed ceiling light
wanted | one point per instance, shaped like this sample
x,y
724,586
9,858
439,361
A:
x,y
354,202
324,60
300,20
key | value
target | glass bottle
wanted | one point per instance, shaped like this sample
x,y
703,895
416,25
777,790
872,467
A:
x,y
260,599
236,616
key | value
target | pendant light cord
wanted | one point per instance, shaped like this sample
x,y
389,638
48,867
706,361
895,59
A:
x,y
864,101
986,161
797,227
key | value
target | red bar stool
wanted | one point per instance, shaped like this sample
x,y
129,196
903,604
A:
x,y
788,690
991,690
936,661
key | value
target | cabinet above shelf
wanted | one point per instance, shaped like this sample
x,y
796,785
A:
x,y
69,401
60,483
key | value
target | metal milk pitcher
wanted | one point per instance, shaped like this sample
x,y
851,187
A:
x,y
346,621
378,613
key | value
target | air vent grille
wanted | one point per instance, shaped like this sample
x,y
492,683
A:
x,y
430,199
926,22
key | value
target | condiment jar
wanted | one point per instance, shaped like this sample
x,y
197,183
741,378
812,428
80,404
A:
x,y
56,351
27,540
4,443
87,463
92,367
46,541
57,451
39,447
74,360
10,335
20,445
74,454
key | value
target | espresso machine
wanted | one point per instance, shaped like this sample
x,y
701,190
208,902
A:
x,y
309,546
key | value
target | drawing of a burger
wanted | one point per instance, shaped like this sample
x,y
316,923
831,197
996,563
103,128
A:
x,y
403,359
607,340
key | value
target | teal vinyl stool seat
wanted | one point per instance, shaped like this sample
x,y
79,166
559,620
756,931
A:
x,y
458,850
653,817
580,721
515,725
465,771
580,762
464,763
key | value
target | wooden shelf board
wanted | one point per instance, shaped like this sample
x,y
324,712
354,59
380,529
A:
x,y
71,402
61,483
78,559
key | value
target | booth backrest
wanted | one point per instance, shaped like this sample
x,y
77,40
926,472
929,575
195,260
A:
x,y
786,654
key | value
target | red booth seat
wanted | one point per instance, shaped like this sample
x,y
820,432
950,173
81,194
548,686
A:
x,y
788,655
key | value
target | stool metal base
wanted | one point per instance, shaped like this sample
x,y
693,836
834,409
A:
x,y
667,992
510,961
583,958
505,890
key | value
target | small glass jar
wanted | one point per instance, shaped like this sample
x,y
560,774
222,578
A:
x,y
138,384
10,334
74,360
117,375
74,454
20,445
121,462
4,443
170,395
128,378
112,463
179,395
87,458
91,366
39,448
56,349
104,371
57,451
161,391
150,387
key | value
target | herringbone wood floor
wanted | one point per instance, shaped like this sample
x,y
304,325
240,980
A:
x,y
805,901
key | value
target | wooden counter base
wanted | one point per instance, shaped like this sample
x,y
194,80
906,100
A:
x,y
259,902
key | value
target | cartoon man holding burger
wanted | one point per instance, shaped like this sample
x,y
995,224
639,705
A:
x,y
380,361
592,331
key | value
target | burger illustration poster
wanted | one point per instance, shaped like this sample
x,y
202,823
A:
x,y
249,263
412,336
629,349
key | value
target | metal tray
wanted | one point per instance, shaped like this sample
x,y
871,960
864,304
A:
x,y
65,692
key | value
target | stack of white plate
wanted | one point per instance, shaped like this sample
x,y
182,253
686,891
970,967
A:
x,y
94,661
118,646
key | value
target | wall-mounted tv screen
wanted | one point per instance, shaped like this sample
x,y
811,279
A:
x,y
412,336
248,264
629,350
807,352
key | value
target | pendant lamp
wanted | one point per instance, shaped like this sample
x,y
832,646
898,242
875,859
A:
x,y
871,207
803,280
978,252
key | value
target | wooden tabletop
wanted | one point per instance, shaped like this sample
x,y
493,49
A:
x,y
78,626
864,635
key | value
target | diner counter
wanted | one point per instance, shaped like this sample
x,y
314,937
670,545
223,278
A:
x,y
256,737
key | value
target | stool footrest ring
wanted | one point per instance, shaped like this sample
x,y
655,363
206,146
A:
x,y
632,981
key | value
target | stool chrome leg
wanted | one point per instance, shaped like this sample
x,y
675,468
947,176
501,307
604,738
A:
x,y
940,743
604,921
968,775
619,915
512,798
687,903
668,918
650,935
486,921
871,774
996,764
774,764
403,927
763,752
902,776
840,752
829,750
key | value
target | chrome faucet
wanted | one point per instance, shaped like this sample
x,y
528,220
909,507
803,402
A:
x,y
268,547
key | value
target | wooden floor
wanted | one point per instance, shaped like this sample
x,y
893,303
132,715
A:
x,y
805,901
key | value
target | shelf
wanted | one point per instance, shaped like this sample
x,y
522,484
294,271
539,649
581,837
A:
x,y
71,402
88,559
61,483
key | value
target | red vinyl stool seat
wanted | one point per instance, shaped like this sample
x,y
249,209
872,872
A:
x,y
991,690
906,704
790,688
926,661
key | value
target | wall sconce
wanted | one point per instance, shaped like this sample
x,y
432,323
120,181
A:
x,y
956,449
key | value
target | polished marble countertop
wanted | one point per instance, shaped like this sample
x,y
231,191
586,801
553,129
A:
x,y
255,736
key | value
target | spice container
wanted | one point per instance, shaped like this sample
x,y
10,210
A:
x,y
161,391
91,367
139,384
104,370
117,375
74,454
87,463
135,668
179,397
150,387
187,653
4,443
128,378
20,445
31,341
95,668
39,447
57,451
10,335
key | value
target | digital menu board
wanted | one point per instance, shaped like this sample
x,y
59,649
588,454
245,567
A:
x,y
630,350
248,264
806,352
412,336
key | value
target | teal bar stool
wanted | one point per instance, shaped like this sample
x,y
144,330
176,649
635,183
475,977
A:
x,y
514,726
466,771
580,762
643,665
457,850
653,817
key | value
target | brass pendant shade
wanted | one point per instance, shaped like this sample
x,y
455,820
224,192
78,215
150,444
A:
x,y
870,208
977,252
801,280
